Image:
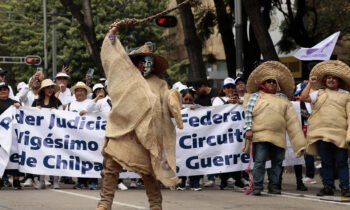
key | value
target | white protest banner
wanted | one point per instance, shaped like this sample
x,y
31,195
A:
x,y
53,142
322,51
211,141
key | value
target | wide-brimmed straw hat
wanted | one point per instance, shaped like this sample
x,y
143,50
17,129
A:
x,y
81,85
48,83
160,63
271,70
334,68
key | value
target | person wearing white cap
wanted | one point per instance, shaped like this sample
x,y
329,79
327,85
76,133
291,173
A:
x,y
102,80
101,102
241,88
65,95
227,94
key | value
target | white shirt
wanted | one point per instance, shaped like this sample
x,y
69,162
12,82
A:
x,y
11,95
77,106
27,97
217,101
101,105
314,94
66,96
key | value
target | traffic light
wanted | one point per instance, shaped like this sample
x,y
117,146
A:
x,y
33,60
166,21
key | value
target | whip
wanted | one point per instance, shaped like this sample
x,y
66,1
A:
x,y
134,21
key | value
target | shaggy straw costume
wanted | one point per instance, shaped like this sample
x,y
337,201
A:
x,y
328,134
140,135
272,116
330,115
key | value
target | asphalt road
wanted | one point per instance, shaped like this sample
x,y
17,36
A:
x,y
208,199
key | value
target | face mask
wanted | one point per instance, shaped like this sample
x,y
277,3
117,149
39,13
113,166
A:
x,y
148,65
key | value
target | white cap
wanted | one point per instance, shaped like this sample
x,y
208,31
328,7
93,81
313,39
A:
x,y
228,81
97,86
106,83
102,79
177,85
21,85
182,87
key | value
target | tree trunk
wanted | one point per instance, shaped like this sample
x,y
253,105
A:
x,y
225,24
87,29
192,42
252,8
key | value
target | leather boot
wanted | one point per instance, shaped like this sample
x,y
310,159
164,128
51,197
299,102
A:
x,y
109,182
153,192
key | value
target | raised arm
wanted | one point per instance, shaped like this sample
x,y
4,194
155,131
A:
x,y
305,94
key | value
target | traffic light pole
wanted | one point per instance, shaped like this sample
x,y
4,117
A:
x,y
54,45
239,37
45,41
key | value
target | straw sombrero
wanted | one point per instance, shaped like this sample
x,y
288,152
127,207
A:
x,y
160,63
271,70
332,67
48,83
81,85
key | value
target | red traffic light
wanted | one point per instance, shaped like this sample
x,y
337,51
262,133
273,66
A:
x,y
166,21
33,60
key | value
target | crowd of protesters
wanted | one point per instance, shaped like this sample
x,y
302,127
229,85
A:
x,y
81,98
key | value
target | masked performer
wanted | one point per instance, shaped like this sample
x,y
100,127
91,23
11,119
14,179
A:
x,y
140,135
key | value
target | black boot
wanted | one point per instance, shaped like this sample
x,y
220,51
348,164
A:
x,y
301,187
325,191
345,192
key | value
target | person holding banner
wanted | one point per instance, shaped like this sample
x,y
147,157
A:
x,y
228,95
268,116
188,102
5,103
140,135
47,99
328,132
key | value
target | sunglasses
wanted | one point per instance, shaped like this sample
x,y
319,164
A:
x,y
271,81
230,86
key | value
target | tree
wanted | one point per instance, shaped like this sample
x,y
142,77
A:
x,y
192,42
26,37
225,24
87,28
252,8
308,22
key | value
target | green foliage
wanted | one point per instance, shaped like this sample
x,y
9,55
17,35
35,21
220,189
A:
x,y
26,38
176,73
205,19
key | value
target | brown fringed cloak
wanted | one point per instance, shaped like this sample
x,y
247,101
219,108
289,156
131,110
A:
x,y
140,134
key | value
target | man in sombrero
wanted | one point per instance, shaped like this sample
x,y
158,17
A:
x,y
268,116
328,134
140,135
